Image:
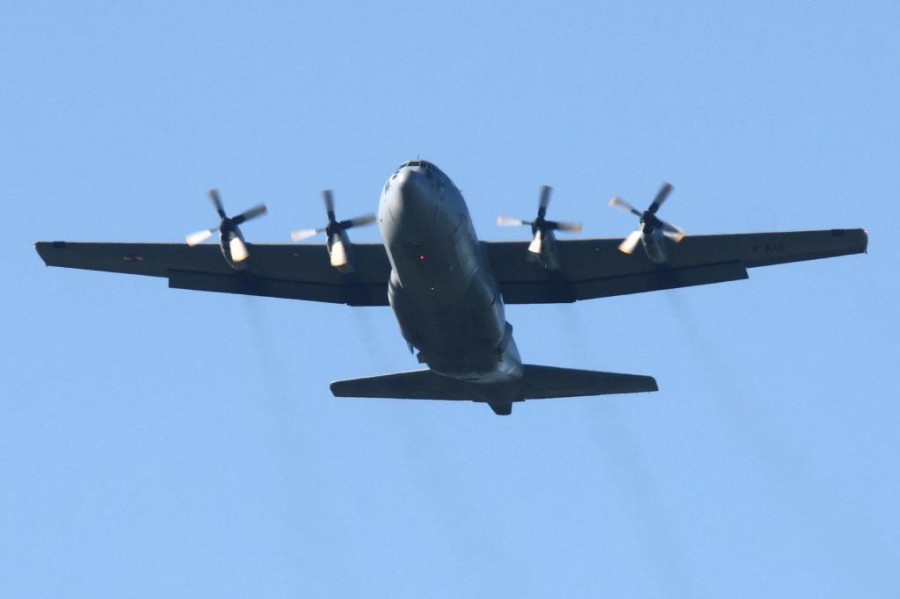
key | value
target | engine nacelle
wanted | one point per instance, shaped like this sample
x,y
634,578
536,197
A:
x,y
545,248
655,245
653,233
234,248
231,242
340,251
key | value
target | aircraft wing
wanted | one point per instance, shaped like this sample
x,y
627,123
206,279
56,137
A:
x,y
592,268
293,271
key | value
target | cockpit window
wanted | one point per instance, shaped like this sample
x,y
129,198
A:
x,y
423,164
420,163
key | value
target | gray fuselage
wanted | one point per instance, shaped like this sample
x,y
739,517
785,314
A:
x,y
442,290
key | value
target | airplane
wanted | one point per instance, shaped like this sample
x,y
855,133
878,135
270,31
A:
x,y
448,289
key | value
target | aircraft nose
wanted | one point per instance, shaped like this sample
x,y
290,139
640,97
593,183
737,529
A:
x,y
407,195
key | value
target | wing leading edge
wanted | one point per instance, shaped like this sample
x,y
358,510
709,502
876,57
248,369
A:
x,y
594,268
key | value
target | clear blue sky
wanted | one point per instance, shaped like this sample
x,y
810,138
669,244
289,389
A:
x,y
162,443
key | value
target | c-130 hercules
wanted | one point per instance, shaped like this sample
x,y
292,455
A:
x,y
448,289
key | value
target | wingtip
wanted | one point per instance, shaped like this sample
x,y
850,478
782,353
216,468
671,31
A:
x,y
41,248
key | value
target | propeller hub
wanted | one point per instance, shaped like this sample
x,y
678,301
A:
x,y
650,221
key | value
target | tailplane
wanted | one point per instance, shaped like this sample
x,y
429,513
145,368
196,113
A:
x,y
537,382
545,382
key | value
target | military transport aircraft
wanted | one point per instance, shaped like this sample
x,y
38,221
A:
x,y
448,289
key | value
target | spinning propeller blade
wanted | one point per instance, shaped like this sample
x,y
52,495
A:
x,y
505,221
250,214
630,242
305,234
359,221
544,201
226,222
649,220
568,227
217,202
623,205
661,196
333,229
672,232
540,225
199,237
329,203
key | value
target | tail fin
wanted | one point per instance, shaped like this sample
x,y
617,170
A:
x,y
537,382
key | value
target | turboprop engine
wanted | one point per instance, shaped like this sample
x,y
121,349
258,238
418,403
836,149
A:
x,y
340,250
234,248
543,244
652,231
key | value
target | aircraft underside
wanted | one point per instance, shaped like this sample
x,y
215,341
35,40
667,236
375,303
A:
x,y
448,289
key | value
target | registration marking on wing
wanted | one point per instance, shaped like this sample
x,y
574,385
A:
x,y
768,248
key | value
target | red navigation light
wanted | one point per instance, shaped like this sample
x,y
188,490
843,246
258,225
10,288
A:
x,y
421,257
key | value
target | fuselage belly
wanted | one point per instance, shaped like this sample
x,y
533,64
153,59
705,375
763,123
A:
x,y
442,290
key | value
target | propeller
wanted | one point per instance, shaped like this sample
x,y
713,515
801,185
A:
x,y
333,230
540,225
649,221
227,223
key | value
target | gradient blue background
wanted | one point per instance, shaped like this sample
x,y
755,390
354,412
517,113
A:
x,y
160,443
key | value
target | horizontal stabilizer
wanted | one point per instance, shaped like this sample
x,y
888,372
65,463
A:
x,y
418,384
537,382
544,382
